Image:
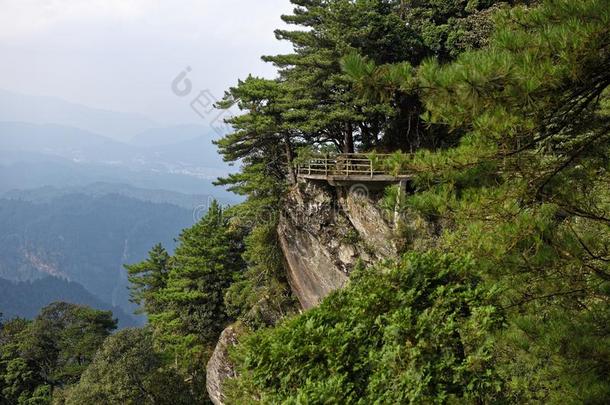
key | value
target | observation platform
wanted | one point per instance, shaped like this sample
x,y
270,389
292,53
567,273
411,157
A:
x,y
351,168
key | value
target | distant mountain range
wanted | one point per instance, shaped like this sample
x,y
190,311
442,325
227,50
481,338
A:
x,y
194,156
49,193
25,170
85,238
26,299
47,141
84,191
33,155
172,134
44,110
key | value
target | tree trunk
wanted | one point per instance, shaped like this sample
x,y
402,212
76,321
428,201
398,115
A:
x,y
292,178
348,139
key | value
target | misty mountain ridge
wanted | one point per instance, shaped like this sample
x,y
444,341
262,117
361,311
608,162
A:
x,y
48,193
193,156
44,110
86,239
27,170
25,299
171,134
84,191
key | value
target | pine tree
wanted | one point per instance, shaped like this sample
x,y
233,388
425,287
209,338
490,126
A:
x,y
260,133
193,314
521,194
148,278
51,352
526,190
322,102
206,260
313,105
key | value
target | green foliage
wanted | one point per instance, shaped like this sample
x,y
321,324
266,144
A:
x,y
438,31
64,338
259,297
184,295
545,65
50,352
526,191
416,331
148,278
322,106
564,359
522,191
396,163
378,82
259,136
313,102
312,106
204,264
351,237
510,303
128,370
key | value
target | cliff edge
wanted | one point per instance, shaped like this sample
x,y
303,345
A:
x,y
325,230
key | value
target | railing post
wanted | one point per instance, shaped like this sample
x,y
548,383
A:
x,y
347,163
326,164
371,166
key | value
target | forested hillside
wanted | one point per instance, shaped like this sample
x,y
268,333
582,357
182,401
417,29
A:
x,y
499,291
25,299
39,357
84,238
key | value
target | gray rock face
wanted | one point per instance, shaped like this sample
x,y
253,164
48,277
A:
x,y
219,367
325,230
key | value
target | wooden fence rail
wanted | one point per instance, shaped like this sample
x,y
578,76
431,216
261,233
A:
x,y
345,165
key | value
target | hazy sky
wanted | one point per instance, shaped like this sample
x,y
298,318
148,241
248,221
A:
x,y
123,54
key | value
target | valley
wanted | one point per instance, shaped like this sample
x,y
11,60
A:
x,y
77,205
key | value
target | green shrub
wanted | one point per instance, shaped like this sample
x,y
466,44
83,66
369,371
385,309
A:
x,y
415,331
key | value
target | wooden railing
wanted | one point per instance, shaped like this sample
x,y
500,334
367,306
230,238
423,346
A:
x,y
345,165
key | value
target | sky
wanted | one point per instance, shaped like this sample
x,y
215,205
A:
x,y
123,55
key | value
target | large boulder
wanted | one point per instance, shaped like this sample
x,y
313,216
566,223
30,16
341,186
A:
x,y
220,367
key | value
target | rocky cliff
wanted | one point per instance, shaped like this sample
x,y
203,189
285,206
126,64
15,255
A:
x,y
324,230
219,367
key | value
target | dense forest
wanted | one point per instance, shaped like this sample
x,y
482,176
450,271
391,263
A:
x,y
502,112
